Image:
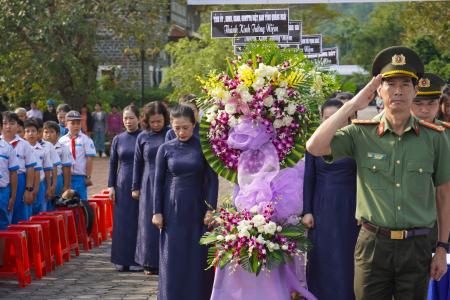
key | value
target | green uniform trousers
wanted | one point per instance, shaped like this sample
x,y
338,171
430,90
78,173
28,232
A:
x,y
388,269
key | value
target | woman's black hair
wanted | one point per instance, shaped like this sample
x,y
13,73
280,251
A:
x,y
151,109
333,102
131,108
10,116
183,111
52,125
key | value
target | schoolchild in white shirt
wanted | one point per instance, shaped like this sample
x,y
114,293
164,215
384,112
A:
x,y
82,150
25,174
51,134
44,166
8,181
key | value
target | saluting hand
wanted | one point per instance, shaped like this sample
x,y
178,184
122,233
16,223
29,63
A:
x,y
366,95
438,264
158,220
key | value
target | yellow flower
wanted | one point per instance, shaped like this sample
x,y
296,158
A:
x,y
247,75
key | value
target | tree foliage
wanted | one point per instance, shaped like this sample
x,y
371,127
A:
x,y
192,58
47,49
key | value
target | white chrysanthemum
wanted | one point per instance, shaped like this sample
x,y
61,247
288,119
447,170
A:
x,y
291,109
246,97
270,228
232,121
287,120
276,246
279,228
258,220
273,110
261,240
266,71
283,84
258,84
243,68
268,101
277,123
284,247
254,209
241,88
230,237
220,237
281,93
230,108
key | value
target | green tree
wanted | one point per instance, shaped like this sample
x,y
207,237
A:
x,y
47,49
192,58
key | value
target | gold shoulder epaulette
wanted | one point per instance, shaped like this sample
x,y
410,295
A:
x,y
365,122
446,124
435,127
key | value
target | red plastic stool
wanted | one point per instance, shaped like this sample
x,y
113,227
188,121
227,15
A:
x,y
63,234
16,257
102,216
109,211
36,246
96,235
105,192
70,228
49,256
80,225
55,234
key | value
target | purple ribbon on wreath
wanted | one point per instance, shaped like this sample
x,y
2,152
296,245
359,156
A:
x,y
259,176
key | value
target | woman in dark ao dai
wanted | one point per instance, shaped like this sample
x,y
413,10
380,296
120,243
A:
x,y
154,120
119,183
184,183
329,204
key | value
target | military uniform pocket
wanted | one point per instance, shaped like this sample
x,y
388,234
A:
x,y
373,172
419,176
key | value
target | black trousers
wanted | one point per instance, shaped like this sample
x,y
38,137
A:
x,y
388,269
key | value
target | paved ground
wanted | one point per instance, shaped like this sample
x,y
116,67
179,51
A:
x,y
91,275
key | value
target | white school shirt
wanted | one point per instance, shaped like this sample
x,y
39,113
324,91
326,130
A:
x,y
64,155
56,161
84,147
44,160
25,154
8,162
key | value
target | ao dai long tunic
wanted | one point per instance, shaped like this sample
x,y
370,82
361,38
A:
x,y
184,183
126,208
329,193
147,248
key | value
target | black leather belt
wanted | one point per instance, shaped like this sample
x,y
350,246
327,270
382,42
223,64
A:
x,y
396,234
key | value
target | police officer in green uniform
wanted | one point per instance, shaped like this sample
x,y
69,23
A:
x,y
401,161
425,105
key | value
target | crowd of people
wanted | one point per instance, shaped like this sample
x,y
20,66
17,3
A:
x,y
397,165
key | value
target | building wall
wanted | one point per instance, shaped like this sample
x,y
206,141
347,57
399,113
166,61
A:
x,y
110,50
